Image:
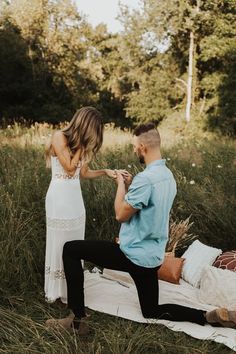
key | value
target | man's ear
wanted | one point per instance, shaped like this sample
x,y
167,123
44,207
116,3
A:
x,y
142,147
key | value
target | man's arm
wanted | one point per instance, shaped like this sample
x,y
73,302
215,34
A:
x,y
122,209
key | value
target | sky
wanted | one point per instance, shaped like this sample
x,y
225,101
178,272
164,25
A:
x,y
105,11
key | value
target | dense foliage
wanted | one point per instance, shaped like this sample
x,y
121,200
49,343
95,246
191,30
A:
x,y
52,62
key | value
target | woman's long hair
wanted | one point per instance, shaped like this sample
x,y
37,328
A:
x,y
84,132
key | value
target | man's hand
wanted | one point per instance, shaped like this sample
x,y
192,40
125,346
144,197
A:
x,y
127,177
123,210
119,177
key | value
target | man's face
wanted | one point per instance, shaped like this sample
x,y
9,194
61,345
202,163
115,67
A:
x,y
138,149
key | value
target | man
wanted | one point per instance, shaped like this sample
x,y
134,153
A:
x,y
144,215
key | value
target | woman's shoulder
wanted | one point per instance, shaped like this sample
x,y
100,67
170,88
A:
x,y
58,137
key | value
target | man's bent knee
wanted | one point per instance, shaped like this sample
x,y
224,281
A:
x,y
68,248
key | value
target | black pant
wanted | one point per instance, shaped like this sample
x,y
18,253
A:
x,y
108,255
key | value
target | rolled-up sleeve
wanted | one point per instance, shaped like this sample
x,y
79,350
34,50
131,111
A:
x,y
139,192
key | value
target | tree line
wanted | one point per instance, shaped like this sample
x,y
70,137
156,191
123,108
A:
x,y
172,56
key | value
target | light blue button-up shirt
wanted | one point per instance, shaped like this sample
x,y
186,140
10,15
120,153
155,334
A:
x,y
144,236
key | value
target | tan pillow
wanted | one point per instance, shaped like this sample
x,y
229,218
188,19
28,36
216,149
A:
x,y
170,269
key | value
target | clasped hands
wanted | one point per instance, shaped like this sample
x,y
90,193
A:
x,y
120,176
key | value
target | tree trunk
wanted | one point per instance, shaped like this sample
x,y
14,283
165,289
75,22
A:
x,y
30,53
190,78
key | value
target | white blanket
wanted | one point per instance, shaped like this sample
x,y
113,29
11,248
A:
x,y
121,299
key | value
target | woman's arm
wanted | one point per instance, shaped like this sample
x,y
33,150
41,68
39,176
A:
x,y
60,147
85,172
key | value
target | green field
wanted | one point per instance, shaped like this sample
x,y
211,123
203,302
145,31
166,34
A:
x,y
204,167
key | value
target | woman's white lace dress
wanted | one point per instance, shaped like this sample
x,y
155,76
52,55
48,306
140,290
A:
x,y
65,220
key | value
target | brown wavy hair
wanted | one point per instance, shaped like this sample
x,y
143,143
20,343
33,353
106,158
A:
x,y
84,132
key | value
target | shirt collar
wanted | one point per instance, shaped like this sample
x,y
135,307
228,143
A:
x,y
160,162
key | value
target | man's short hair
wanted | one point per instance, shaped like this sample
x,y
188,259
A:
x,y
148,134
143,128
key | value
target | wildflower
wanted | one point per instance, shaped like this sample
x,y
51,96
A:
x,y
129,166
168,158
192,182
94,219
9,127
193,164
219,166
96,270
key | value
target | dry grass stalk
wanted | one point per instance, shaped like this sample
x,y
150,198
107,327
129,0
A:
x,y
178,235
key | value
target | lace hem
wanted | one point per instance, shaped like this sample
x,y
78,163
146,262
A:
x,y
65,176
56,274
65,224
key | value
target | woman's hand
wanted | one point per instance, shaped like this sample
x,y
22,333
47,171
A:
x,y
110,173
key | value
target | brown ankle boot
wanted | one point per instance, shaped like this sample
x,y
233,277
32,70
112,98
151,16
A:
x,y
63,323
81,328
222,316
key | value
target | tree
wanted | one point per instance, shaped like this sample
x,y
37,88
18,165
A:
x,y
197,38
16,79
217,64
172,55
70,64
55,38
151,70
104,62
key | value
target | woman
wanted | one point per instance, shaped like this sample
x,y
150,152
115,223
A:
x,y
69,152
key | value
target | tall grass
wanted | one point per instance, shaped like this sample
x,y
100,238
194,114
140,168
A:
x,y
205,174
27,334
206,179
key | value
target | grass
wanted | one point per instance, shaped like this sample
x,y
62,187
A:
x,y
204,167
27,334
